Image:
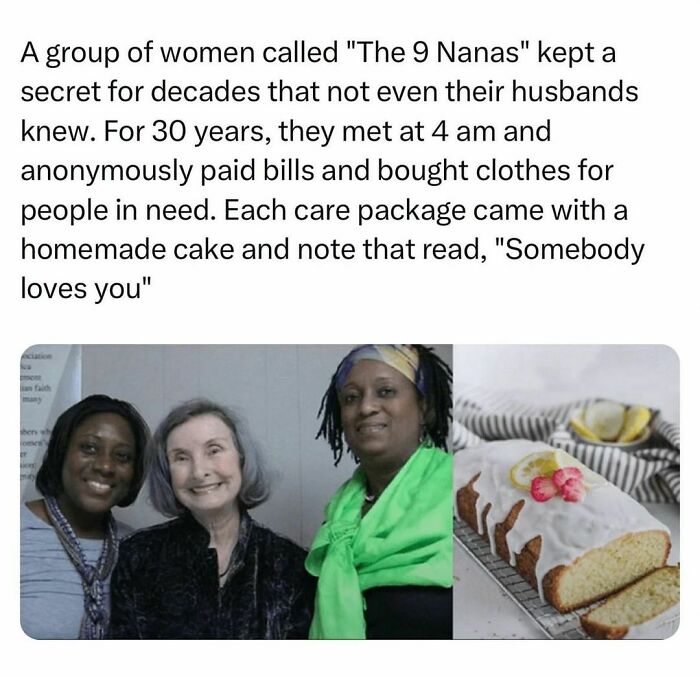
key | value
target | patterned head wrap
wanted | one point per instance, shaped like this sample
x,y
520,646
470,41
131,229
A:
x,y
403,358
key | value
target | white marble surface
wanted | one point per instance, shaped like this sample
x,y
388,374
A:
x,y
483,611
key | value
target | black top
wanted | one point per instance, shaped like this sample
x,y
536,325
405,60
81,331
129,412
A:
x,y
408,612
166,586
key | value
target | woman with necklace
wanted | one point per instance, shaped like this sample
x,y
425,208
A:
x,y
69,540
212,572
383,557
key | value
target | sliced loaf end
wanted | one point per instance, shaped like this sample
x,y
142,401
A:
x,y
640,603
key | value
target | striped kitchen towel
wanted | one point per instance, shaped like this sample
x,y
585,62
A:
x,y
650,473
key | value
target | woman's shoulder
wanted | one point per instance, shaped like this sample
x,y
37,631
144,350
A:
x,y
149,538
282,547
36,536
123,530
29,518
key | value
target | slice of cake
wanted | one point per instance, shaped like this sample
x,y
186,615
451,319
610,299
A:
x,y
573,536
641,604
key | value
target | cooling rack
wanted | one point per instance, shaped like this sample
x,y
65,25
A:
x,y
554,624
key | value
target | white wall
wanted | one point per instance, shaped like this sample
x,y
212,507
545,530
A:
x,y
554,374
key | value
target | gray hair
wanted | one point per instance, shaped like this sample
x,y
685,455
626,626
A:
x,y
255,487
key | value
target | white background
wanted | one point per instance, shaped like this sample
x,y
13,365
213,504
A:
x,y
653,144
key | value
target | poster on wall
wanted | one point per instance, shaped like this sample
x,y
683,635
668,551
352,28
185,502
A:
x,y
49,383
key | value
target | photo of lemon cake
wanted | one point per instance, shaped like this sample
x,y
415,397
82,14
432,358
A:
x,y
572,535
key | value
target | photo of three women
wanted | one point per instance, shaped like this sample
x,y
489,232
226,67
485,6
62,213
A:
x,y
379,565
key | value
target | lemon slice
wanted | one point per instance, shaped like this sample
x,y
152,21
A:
x,y
605,419
579,427
636,419
540,463
590,479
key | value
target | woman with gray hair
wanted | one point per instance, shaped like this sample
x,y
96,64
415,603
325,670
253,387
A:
x,y
212,572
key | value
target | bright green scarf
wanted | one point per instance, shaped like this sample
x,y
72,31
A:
x,y
405,539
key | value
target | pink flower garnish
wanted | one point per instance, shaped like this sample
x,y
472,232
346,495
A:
x,y
542,489
573,490
565,482
563,475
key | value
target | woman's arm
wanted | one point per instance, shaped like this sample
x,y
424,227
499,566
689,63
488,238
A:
x,y
301,608
123,622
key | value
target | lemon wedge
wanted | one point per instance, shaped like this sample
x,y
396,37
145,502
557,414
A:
x,y
605,419
590,479
540,463
636,419
580,428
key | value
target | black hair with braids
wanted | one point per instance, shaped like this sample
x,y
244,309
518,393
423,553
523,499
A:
x,y
435,377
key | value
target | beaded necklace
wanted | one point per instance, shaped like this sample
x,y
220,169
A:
x,y
96,616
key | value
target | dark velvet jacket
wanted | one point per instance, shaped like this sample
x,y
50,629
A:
x,y
166,586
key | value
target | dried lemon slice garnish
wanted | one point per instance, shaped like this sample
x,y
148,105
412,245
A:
x,y
538,464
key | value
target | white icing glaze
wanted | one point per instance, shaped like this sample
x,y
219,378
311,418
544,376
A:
x,y
568,530
659,627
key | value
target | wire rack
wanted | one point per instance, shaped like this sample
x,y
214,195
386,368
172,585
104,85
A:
x,y
554,624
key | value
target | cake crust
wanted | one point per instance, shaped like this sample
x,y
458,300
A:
x,y
597,631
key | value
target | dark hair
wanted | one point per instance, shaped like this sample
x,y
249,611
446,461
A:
x,y
435,378
255,487
49,478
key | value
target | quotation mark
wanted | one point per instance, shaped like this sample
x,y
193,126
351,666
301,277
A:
x,y
500,241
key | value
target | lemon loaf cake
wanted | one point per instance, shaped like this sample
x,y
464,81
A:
x,y
572,535
641,606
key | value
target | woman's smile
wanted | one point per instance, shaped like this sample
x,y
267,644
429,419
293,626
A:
x,y
206,488
100,487
371,428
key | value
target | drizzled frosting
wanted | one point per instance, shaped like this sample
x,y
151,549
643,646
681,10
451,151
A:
x,y
568,530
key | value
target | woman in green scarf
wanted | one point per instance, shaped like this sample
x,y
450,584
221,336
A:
x,y
383,556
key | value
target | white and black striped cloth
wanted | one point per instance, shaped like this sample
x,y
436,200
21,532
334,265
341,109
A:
x,y
650,474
